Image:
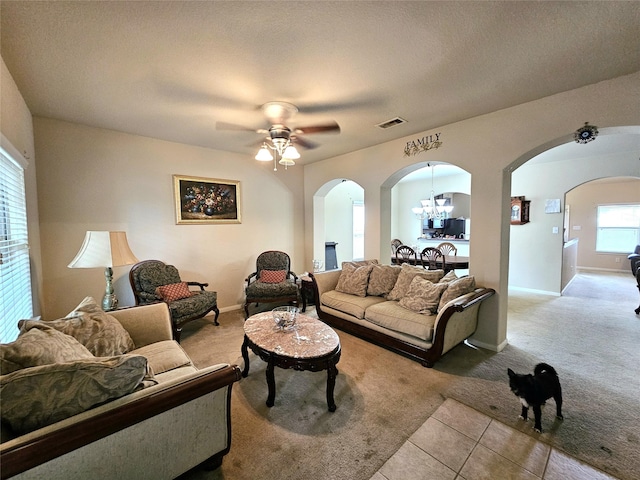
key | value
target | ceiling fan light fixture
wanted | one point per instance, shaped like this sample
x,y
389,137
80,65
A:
x,y
287,162
264,155
291,152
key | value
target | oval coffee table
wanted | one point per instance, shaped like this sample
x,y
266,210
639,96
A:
x,y
310,345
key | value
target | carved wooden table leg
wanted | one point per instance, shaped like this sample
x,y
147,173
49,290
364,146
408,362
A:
x,y
271,383
332,373
245,357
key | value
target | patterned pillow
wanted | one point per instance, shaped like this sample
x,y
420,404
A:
x,y
28,402
456,288
360,263
102,334
382,279
173,291
449,277
273,276
423,296
354,280
407,272
40,347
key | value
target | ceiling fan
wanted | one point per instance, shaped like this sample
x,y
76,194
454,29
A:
x,y
282,138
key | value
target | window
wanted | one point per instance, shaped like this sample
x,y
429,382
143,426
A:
x,y
15,277
617,228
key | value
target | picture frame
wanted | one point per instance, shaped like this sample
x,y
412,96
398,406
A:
x,y
201,200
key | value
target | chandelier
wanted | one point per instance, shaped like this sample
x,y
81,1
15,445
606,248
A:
x,y
280,143
432,208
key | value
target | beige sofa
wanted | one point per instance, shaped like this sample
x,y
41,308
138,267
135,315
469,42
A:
x,y
179,420
397,313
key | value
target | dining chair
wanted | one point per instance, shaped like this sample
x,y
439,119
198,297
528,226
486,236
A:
x,y
395,243
430,256
447,248
406,254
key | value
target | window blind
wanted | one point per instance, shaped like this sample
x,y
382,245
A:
x,y
15,276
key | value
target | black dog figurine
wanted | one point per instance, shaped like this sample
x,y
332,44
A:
x,y
534,390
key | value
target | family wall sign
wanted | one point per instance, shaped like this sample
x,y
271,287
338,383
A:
x,y
424,144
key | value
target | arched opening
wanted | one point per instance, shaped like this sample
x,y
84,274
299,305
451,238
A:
x,y
338,215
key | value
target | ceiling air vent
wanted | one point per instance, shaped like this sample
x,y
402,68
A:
x,y
391,123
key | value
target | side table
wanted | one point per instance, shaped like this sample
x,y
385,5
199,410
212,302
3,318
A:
x,y
306,291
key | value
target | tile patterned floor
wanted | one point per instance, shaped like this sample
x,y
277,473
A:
x,y
460,443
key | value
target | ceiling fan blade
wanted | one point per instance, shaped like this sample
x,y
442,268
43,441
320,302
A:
x,y
328,128
304,143
233,126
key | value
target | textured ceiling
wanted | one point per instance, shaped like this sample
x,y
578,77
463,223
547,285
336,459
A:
x,y
171,70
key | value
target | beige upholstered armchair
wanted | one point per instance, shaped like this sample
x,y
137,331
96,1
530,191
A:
x,y
154,281
273,281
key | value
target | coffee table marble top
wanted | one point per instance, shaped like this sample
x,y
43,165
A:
x,y
309,337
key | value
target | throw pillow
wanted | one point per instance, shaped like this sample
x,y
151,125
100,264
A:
x,y
423,296
273,276
40,347
458,287
354,280
360,263
449,277
173,291
382,279
39,396
407,272
100,332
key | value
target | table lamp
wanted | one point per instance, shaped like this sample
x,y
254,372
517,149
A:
x,y
105,249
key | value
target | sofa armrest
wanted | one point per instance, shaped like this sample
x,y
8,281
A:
x,y
459,319
146,324
325,281
46,444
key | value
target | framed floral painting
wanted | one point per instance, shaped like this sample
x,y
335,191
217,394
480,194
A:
x,y
206,200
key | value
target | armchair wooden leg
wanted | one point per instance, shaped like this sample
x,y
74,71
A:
x,y
215,318
177,332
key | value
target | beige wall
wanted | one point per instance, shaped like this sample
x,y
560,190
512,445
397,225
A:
x,y
489,147
91,178
95,179
536,252
583,201
17,128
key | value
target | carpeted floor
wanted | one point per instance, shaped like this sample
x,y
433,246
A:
x,y
590,335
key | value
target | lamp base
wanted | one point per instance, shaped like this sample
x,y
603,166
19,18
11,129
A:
x,y
109,302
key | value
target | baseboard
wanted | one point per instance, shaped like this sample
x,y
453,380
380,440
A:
x,y
596,269
231,308
533,290
487,346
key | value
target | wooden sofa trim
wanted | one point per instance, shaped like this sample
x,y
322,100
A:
x,y
427,357
25,456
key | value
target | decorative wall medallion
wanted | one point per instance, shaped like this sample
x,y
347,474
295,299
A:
x,y
586,134
419,145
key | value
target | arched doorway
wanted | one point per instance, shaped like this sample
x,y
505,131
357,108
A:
x,y
338,208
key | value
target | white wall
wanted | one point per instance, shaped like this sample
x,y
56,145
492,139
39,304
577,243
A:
x,y
338,217
96,179
409,193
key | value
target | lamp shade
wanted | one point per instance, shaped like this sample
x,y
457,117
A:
x,y
104,249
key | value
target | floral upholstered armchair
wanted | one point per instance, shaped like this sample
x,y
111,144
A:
x,y
273,281
154,281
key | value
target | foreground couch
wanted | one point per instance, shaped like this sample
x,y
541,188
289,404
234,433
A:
x,y
178,417
420,313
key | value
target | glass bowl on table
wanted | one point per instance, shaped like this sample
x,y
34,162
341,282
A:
x,y
285,317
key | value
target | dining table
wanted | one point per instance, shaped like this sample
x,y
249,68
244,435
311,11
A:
x,y
451,262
